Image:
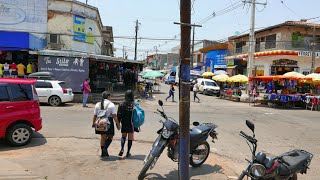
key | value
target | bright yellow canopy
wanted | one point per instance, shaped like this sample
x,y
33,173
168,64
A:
x,y
239,78
294,74
207,74
221,78
315,77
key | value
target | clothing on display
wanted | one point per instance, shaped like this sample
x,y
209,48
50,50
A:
x,y
13,67
29,68
21,68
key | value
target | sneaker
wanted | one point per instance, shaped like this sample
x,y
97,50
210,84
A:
x,y
120,153
128,155
104,153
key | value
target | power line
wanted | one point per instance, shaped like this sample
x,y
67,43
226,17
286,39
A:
x,y
282,2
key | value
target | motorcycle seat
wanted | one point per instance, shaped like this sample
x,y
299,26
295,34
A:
x,y
267,162
292,162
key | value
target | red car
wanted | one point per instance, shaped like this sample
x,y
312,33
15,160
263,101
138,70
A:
x,y
19,111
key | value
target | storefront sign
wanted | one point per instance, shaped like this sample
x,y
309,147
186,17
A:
x,y
72,70
83,29
217,59
18,18
308,53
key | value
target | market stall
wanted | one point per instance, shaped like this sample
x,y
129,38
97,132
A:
x,y
288,91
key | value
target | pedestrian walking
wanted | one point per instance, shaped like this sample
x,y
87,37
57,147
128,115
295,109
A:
x,y
86,92
171,92
111,116
125,115
195,91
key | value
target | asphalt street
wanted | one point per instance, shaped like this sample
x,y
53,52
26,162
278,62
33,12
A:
x,y
67,130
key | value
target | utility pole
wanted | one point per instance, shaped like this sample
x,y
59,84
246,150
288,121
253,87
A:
x,y
192,52
86,1
123,52
136,40
252,39
156,48
184,89
313,49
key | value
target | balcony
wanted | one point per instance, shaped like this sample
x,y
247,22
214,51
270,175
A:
x,y
269,46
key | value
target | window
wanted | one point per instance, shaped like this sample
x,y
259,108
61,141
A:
x,y
64,85
239,46
4,96
54,38
41,85
21,92
271,41
257,49
209,83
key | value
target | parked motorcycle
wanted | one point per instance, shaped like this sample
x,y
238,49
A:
x,y
169,137
283,167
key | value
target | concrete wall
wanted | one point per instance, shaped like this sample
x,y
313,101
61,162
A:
x,y
61,21
304,63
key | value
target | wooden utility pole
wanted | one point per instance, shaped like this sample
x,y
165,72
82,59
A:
x,y
184,89
136,40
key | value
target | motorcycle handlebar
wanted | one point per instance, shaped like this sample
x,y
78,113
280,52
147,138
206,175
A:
x,y
249,138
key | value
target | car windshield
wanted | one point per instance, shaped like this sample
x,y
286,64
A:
x,y
210,83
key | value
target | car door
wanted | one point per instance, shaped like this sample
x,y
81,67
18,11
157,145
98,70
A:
x,y
6,108
44,90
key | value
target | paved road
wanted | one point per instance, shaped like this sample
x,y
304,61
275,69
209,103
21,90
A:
x,y
67,131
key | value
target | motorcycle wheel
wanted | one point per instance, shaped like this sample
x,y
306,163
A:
x,y
146,167
204,156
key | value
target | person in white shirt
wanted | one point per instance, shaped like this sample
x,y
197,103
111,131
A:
x,y
195,91
111,114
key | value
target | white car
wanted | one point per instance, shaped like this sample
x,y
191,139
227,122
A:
x,y
53,92
208,86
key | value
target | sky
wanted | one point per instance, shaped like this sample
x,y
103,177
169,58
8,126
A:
x,y
157,17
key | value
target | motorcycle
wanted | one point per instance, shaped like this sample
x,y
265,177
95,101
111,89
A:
x,y
284,167
169,137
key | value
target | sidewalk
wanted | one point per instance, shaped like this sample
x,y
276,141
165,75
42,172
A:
x,y
73,158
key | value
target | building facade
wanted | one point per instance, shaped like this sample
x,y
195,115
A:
x,y
281,48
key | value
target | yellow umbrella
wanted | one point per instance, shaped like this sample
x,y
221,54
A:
x,y
315,77
239,78
295,74
221,78
207,74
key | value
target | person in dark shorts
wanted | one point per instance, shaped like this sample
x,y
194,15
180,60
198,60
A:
x,y
125,110
106,137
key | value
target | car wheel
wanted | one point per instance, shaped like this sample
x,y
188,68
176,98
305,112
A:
x,y
19,135
55,101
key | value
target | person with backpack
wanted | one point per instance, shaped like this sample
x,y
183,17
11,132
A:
x,y
104,115
171,92
125,115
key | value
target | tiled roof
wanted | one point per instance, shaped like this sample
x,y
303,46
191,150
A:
x,y
287,23
302,23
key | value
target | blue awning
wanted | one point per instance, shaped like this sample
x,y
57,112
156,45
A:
x,y
14,40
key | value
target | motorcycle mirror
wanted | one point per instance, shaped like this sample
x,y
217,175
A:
x,y
196,123
250,125
160,103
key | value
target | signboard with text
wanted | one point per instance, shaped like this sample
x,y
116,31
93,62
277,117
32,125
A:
x,y
308,53
72,70
216,59
83,29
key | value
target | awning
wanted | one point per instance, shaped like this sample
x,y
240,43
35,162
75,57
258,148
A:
x,y
265,53
48,52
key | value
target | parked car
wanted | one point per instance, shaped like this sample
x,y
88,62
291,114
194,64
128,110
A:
x,y
208,87
53,92
19,111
